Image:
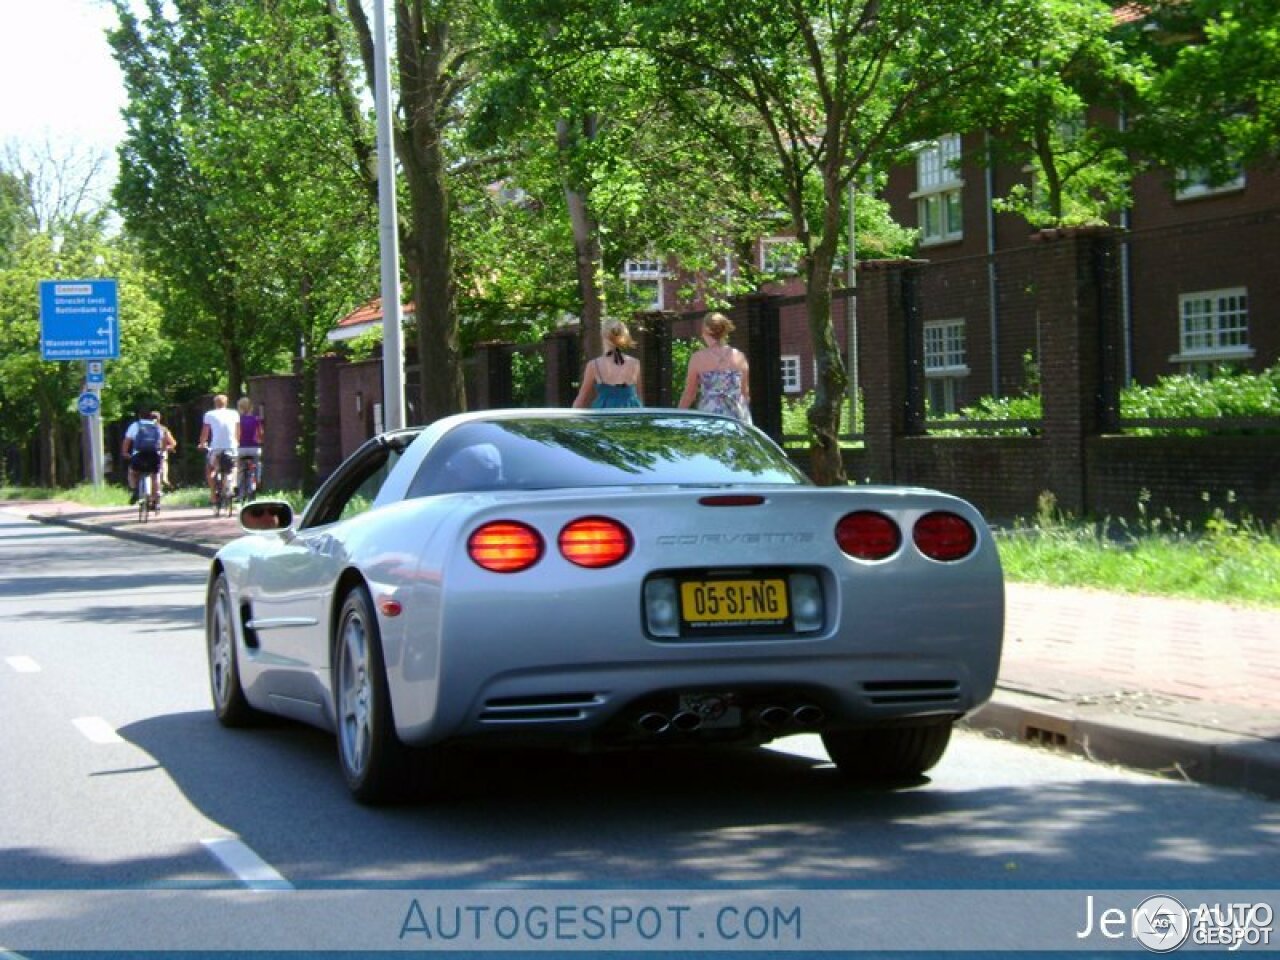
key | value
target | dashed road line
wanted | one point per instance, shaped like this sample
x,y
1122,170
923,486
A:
x,y
22,665
97,730
251,870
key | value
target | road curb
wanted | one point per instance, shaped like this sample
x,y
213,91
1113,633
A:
x,y
1173,750
150,539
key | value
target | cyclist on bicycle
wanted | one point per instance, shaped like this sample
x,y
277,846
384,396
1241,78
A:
x,y
250,466
220,436
142,446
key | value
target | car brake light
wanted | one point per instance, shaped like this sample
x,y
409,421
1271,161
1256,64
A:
x,y
732,500
595,542
505,546
866,535
944,536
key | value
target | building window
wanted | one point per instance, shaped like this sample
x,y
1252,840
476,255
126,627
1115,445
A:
x,y
780,256
644,283
1214,327
791,374
945,364
939,190
1200,183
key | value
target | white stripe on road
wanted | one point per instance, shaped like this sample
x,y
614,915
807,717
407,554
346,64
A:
x,y
22,665
97,730
254,872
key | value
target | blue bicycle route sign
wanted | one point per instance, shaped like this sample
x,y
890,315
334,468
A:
x,y
78,320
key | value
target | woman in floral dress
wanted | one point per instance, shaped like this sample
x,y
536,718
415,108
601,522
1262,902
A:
x,y
718,373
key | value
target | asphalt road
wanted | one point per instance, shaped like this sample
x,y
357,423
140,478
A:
x,y
116,776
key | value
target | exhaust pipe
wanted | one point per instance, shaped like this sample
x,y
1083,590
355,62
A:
x,y
653,723
775,718
808,715
686,721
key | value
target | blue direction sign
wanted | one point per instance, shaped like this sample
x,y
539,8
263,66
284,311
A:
x,y
93,372
78,320
88,403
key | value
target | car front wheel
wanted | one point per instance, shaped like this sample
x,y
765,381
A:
x,y
888,754
229,703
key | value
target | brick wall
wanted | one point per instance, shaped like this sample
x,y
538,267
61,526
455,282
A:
x,y
1002,476
359,389
1187,476
276,400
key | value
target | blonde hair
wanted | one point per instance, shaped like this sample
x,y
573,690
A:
x,y
244,404
718,325
618,335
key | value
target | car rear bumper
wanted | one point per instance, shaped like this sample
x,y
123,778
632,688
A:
x,y
755,700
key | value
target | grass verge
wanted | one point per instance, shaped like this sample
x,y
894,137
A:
x,y
1223,560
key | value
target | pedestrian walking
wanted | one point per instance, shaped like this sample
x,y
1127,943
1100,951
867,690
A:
x,y
718,373
613,379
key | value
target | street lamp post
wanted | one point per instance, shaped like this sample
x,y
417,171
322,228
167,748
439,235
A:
x,y
388,233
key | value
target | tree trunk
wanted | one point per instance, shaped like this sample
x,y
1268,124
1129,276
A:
x,y
307,421
826,463
588,254
48,476
429,250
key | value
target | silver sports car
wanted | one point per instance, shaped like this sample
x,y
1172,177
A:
x,y
603,579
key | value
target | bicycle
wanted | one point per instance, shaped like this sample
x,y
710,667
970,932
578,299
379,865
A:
x,y
247,479
148,495
224,478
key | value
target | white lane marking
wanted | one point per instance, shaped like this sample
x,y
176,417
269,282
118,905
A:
x,y
22,665
97,730
254,872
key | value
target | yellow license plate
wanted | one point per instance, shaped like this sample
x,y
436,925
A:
x,y
759,602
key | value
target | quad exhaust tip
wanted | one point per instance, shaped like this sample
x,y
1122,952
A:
x,y
653,723
808,715
775,718
686,721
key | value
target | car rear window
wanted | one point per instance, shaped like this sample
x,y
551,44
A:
x,y
539,453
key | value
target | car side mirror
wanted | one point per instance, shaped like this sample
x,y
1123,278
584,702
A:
x,y
266,515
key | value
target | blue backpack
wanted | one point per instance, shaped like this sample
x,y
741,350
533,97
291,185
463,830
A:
x,y
147,439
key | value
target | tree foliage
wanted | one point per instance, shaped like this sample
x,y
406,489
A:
x,y
1213,99
830,90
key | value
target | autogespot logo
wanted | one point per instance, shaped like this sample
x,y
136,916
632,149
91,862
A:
x,y
1161,924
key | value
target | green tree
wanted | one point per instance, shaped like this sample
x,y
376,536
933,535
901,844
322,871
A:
x,y
1213,101
37,397
832,89
1059,113
235,180
437,49
169,197
580,116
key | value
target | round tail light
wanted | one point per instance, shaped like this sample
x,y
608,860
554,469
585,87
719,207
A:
x,y
944,536
505,546
595,542
867,535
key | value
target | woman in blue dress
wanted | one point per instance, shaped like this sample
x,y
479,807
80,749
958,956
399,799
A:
x,y
612,380
718,373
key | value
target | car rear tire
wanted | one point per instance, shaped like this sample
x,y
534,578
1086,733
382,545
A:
x,y
888,754
377,766
229,703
